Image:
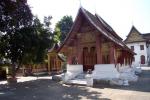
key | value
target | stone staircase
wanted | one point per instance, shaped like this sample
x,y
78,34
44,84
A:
x,y
78,80
80,76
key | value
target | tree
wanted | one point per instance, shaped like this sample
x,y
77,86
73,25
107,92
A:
x,y
15,21
57,34
37,46
63,27
44,37
14,14
24,39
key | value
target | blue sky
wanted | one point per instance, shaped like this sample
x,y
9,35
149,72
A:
x,y
119,14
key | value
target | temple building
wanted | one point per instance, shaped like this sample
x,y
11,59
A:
x,y
92,41
54,61
140,44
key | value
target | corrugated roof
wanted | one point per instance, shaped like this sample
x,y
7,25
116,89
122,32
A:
x,y
146,36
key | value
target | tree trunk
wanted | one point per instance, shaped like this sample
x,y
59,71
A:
x,y
12,79
13,71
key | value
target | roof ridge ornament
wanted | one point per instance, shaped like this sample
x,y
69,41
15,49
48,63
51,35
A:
x,y
95,11
132,23
80,3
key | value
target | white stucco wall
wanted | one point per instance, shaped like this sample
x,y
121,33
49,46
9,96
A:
x,y
139,52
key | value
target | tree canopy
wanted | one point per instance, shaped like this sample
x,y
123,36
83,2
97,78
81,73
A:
x,y
23,39
63,27
15,20
14,15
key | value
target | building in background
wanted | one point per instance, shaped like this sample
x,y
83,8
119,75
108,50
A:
x,y
140,44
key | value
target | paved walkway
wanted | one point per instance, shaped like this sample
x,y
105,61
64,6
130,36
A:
x,y
45,89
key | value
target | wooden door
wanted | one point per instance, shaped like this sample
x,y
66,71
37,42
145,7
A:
x,y
142,59
89,58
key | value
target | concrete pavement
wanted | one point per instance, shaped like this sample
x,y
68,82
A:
x,y
46,89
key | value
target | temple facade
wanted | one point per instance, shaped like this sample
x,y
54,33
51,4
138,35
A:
x,y
92,41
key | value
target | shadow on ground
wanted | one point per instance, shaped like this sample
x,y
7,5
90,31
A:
x,y
44,89
143,83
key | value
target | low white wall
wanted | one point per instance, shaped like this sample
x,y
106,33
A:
x,y
105,71
73,71
123,68
110,72
75,68
136,68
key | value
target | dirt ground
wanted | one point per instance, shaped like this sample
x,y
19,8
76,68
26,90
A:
x,y
43,88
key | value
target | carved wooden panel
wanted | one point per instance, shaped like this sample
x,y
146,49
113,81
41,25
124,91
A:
x,y
105,53
105,48
88,37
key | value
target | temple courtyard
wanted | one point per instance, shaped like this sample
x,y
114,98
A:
x,y
43,88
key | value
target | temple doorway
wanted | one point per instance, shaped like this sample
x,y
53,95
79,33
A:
x,y
142,59
89,58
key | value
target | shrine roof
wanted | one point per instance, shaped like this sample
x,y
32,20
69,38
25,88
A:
x,y
135,36
54,47
146,36
97,22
